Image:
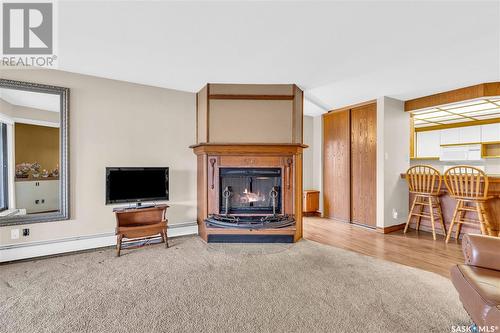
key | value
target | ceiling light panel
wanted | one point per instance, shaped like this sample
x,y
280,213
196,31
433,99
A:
x,y
484,112
432,115
463,104
448,117
471,108
489,116
424,111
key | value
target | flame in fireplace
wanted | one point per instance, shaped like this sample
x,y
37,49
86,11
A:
x,y
251,197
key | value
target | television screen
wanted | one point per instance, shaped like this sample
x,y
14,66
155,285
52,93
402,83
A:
x,y
136,184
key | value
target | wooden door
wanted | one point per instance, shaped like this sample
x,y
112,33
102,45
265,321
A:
x,y
336,165
364,165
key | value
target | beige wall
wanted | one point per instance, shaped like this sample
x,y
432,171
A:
x,y
35,143
114,123
202,100
231,117
254,121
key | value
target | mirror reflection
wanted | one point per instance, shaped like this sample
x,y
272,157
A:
x,y
29,152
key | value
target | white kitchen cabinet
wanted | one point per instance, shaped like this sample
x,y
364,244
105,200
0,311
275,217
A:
x,y
469,134
460,135
428,143
461,153
37,196
490,132
450,136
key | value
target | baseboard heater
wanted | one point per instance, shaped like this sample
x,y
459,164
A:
x,y
250,238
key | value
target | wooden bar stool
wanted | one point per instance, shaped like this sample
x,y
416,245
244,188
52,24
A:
x,y
422,183
469,187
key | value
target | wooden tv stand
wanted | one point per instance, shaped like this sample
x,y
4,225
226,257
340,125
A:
x,y
140,223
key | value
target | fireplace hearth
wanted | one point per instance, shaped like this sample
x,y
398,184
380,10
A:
x,y
250,221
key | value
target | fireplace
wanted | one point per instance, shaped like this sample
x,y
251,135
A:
x,y
249,162
253,191
249,193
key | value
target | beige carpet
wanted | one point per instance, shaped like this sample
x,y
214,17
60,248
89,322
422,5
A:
x,y
195,287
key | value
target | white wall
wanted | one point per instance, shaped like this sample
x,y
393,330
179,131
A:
x,y
393,158
114,123
313,167
308,169
318,157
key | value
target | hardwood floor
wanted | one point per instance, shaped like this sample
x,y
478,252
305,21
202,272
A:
x,y
413,249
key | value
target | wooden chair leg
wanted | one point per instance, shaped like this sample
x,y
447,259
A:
x,y
431,213
481,219
419,217
460,215
166,239
118,245
410,215
440,212
452,221
486,219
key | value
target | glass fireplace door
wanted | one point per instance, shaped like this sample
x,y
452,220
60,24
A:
x,y
250,191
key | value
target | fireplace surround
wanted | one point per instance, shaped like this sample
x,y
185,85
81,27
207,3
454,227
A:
x,y
249,162
263,187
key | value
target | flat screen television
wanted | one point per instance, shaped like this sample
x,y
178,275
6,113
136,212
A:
x,y
134,185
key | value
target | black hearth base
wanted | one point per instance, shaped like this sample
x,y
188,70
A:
x,y
250,238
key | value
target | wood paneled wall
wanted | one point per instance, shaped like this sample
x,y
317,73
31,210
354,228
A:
x,y
337,165
364,165
349,164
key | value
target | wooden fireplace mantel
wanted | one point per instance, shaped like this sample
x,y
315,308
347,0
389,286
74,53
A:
x,y
212,156
247,148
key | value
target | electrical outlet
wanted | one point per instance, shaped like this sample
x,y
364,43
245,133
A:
x,y
394,214
26,232
14,233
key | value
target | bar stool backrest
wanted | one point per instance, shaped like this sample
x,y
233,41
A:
x,y
422,179
466,181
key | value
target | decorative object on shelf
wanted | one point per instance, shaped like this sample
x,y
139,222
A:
x,y
55,172
35,170
23,170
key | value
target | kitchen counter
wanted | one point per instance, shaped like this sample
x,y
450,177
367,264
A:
x,y
448,206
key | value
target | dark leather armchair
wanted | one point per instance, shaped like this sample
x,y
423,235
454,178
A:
x,y
478,280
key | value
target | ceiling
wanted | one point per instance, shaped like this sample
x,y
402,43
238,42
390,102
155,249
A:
x,y
340,53
41,101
